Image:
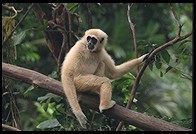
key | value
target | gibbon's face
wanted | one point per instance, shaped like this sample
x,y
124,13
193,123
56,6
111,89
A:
x,y
92,43
95,39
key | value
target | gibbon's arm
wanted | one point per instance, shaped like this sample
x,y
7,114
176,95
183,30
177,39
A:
x,y
112,71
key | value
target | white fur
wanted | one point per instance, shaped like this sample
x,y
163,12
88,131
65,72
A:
x,y
84,70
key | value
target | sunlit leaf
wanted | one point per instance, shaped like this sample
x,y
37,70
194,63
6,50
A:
x,y
26,93
5,93
52,123
72,6
18,38
6,105
8,24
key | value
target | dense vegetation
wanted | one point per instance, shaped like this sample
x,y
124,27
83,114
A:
x,y
165,89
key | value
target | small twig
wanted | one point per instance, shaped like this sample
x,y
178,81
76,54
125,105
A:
x,y
70,30
90,22
174,13
9,128
79,22
132,26
18,24
150,58
177,19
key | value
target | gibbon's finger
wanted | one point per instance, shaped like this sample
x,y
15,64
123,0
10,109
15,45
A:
x,y
143,57
146,57
81,118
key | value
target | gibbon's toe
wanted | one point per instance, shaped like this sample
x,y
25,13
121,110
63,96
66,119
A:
x,y
110,105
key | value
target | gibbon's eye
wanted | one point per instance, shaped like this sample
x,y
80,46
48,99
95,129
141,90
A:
x,y
92,40
88,38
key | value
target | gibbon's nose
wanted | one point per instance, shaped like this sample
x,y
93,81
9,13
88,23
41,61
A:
x,y
91,46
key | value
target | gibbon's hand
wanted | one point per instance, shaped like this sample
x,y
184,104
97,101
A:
x,y
143,57
146,57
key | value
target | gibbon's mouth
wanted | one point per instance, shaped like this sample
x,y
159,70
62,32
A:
x,y
91,46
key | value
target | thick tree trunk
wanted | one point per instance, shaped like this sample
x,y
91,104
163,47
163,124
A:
x,y
140,120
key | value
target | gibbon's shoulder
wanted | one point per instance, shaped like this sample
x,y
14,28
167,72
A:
x,y
79,46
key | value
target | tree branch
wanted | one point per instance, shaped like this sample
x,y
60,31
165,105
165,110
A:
x,y
152,54
142,121
9,128
132,26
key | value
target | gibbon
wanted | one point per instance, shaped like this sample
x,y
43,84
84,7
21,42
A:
x,y
88,67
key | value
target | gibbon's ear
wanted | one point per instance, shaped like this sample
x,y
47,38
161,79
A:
x,y
101,40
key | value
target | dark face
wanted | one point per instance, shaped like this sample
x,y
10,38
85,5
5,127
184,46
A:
x,y
92,43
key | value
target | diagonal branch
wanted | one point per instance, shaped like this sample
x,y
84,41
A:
x,y
132,26
9,128
151,56
140,120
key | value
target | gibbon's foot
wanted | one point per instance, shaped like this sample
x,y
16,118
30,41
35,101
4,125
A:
x,y
143,57
111,104
81,118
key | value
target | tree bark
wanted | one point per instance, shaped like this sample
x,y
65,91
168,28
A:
x,y
9,128
137,119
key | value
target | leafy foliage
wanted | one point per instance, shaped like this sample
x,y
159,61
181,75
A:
x,y
165,90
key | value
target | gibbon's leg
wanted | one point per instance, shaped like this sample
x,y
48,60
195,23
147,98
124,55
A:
x,y
101,84
71,95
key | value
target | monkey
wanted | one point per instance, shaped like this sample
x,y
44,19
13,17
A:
x,y
88,67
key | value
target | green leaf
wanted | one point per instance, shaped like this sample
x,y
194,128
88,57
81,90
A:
x,y
52,123
72,6
183,42
166,56
62,119
158,64
168,68
5,93
150,66
46,105
6,105
161,74
8,23
26,93
42,99
49,96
